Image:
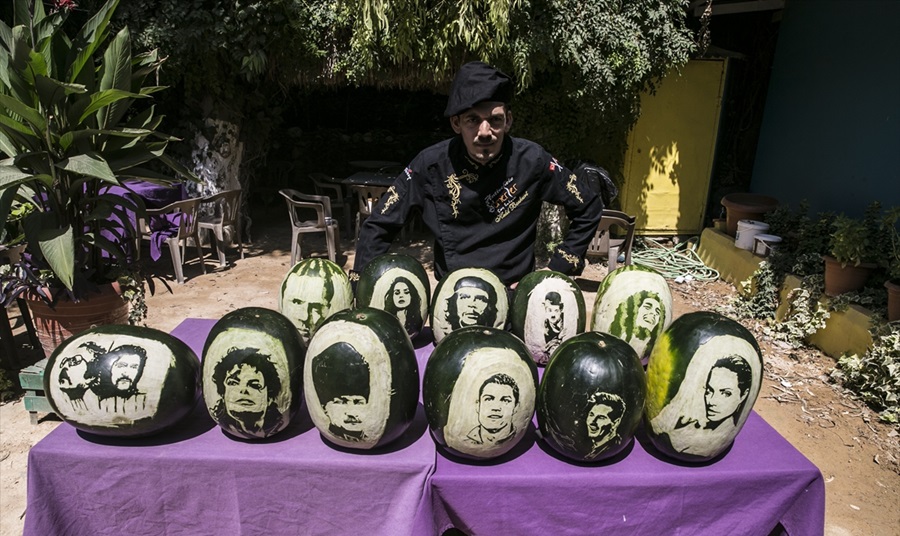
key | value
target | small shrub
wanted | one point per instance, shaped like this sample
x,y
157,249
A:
x,y
875,377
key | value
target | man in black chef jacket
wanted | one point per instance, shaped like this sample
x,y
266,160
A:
x,y
480,192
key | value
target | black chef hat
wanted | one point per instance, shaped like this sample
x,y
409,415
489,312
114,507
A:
x,y
477,82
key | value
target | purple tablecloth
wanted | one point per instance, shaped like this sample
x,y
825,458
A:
x,y
195,480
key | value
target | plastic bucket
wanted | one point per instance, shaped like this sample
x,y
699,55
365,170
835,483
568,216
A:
x,y
746,231
765,243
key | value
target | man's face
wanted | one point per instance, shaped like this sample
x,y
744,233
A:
x,y
470,305
245,390
554,312
482,128
401,295
347,412
723,396
648,313
72,371
496,406
598,422
307,312
125,370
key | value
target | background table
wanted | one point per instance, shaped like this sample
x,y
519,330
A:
x,y
370,178
196,480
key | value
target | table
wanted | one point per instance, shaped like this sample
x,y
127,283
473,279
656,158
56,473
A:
x,y
157,195
374,164
761,482
194,479
370,178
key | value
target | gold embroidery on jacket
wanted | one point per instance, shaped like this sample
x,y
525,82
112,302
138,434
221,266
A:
x,y
393,197
572,188
455,190
468,176
507,210
568,257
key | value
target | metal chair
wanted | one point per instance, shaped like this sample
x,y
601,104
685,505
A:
x,y
226,213
367,197
318,209
331,187
603,245
183,218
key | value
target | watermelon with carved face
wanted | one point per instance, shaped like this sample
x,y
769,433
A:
x,y
123,381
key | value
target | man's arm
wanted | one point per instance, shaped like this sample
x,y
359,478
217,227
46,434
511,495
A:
x,y
388,217
583,207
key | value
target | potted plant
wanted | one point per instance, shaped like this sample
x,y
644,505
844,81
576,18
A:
x,y
854,251
71,136
891,261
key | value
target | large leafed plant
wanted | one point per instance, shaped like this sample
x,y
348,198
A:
x,y
72,136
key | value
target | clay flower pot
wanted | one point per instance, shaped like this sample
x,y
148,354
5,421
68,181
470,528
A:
x,y
845,278
66,318
893,288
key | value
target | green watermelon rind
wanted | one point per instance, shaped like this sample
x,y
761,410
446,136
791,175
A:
x,y
446,363
404,366
365,287
277,326
577,371
518,309
178,397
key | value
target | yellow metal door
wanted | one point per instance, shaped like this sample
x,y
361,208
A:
x,y
671,148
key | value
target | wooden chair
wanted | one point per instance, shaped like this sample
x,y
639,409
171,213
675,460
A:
x,y
226,213
184,216
605,246
367,197
331,187
311,214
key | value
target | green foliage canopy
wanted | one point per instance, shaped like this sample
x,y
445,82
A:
x,y
579,66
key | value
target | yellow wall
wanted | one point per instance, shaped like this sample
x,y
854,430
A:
x,y
671,149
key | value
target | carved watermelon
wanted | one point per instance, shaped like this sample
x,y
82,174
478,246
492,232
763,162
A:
x,y
548,309
125,381
253,372
312,291
703,378
479,391
633,303
399,285
468,297
591,397
361,379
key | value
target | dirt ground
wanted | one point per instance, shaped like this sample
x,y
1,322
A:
x,y
859,457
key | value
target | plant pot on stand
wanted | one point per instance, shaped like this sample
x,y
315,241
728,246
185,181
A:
x,y
893,308
845,277
66,318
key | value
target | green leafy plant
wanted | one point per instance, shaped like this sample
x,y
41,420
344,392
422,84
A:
x,y
875,376
855,241
890,237
806,313
71,135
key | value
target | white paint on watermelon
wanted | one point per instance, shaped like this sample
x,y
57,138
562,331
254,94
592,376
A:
x,y
440,325
534,316
688,405
383,284
462,417
247,338
625,283
378,409
114,412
